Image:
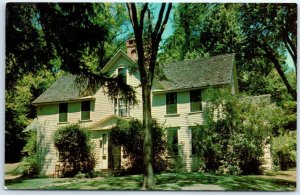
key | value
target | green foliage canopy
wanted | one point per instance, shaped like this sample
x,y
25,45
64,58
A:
x,y
235,131
260,35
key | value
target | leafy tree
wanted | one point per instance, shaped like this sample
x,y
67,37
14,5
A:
x,y
74,147
272,29
19,112
259,41
25,44
147,37
130,137
50,37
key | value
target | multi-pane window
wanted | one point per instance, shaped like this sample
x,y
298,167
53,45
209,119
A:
x,y
172,140
122,73
171,103
85,110
121,107
63,112
195,99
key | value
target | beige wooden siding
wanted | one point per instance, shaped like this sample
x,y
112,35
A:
x,y
47,154
183,120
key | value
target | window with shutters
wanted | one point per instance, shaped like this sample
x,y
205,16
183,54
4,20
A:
x,y
85,110
195,100
171,102
63,112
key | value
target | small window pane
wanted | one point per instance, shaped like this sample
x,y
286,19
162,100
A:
x,y
63,112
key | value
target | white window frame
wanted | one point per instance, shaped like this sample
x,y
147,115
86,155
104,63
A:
x,y
121,104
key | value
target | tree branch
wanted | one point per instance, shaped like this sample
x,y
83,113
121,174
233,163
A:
x,y
138,32
294,51
160,17
143,15
292,54
270,55
162,28
156,37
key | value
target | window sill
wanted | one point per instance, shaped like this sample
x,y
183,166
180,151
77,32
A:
x,y
85,121
171,115
196,112
62,123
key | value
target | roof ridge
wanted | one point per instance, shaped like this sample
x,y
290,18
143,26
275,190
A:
x,y
200,58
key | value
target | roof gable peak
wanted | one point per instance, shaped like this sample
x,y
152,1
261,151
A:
x,y
112,61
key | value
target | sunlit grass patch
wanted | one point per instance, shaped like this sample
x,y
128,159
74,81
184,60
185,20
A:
x,y
165,181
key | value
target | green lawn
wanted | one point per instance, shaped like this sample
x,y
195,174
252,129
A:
x,y
166,181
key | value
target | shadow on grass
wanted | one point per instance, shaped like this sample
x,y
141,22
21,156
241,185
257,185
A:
x,y
228,182
107,183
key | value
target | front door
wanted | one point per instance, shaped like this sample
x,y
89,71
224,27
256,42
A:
x,y
114,157
104,151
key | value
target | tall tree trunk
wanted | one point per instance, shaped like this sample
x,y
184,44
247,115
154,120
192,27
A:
x,y
146,68
272,57
148,182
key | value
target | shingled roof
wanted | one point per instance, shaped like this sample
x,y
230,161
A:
x,y
189,74
63,89
198,73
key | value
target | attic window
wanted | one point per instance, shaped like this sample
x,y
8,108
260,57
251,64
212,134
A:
x,y
63,112
85,110
122,73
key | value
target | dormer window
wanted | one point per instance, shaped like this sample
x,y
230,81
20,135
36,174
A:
x,y
122,73
63,112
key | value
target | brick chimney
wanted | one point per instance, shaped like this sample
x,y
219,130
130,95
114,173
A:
x,y
131,49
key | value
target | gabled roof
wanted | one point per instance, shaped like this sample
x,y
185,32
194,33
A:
x,y
63,89
106,123
198,73
119,54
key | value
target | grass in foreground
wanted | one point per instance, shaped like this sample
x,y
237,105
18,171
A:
x,y
166,181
